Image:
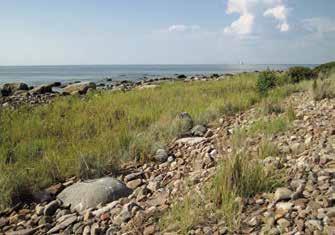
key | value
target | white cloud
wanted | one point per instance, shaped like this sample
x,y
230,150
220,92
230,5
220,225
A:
x,y
182,28
249,10
280,13
245,23
241,26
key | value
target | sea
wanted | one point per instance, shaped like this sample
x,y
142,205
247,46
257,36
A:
x,y
36,75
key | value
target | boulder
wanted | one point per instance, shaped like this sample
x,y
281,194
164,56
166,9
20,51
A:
x,y
161,155
79,88
282,194
199,130
89,194
42,89
9,88
184,121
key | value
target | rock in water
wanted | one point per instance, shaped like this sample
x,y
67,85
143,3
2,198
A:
x,y
80,88
89,194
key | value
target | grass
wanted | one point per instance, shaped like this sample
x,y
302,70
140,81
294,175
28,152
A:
x,y
267,149
184,214
269,127
89,137
240,175
323,89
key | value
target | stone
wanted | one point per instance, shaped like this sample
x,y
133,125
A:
x,y
41,89
185,120
51,208
283,223
61,226
149,230
55,189
39,209
134,183
28,231
105,209
282,194
133,176
89,194
80,88
191,140
199,130
161,155
313,225
9,88
284,206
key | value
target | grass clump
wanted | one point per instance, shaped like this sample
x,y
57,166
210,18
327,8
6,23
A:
x,y
271,106
184,214
267,149
268,127
323,89
291,115
240,176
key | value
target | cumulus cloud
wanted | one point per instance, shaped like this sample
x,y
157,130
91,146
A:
x,y
245,23
249,10
280,13
182,28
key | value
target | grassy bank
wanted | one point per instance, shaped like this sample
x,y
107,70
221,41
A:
x,y
91,136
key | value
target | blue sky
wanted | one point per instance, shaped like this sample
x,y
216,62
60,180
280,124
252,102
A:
x,y
38,32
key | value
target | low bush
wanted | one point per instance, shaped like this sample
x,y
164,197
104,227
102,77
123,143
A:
x,y
324,70
299,73
266,81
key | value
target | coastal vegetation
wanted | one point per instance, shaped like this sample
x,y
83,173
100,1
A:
x,y
91,136
94,135
242,175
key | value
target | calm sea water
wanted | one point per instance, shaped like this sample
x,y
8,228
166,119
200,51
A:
x,y
35,75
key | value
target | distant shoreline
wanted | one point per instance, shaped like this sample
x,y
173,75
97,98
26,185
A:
x,y
42,74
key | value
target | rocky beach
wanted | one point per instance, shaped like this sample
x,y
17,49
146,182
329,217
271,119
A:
x,y
132,202
293,140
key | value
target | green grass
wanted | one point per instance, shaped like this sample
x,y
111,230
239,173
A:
x,y
323,89
269,126
91,136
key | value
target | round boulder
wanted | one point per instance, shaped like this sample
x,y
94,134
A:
x,y
91,193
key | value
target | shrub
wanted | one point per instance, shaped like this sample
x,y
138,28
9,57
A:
x,y
266,81
297,74
324,70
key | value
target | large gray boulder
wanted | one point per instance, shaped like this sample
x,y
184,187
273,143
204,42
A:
x,y
8,89
89,194
79,88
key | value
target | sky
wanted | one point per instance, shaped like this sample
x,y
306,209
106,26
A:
x,y
45,32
